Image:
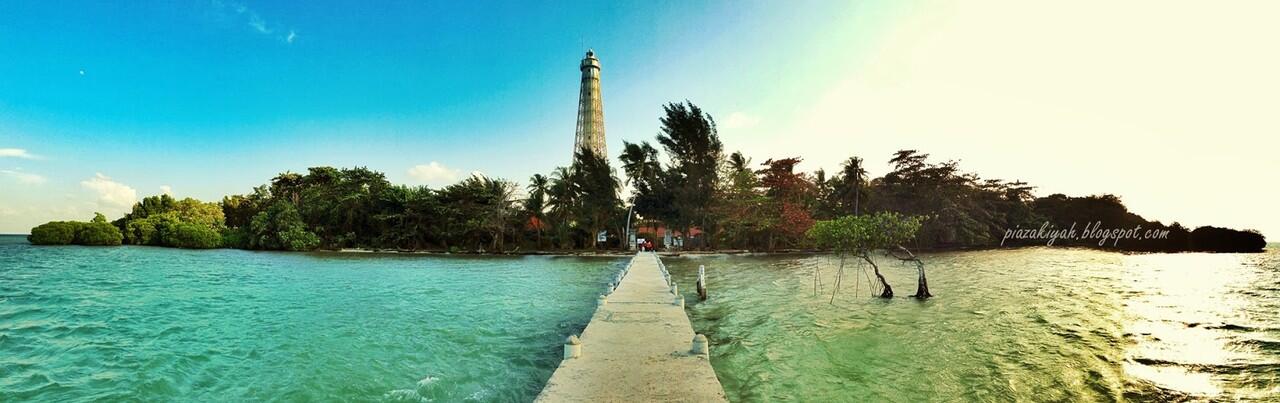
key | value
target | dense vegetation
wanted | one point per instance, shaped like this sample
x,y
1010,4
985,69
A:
x,y
163,221
687,184
97,232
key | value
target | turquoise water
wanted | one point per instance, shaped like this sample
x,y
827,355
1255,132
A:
x,y
1036,324
152,324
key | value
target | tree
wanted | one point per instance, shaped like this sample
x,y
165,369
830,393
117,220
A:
x,y
858,236
238,210
54,233
690,139
954,202
563,198
195,236
157,220
640,163
96,232
847,188
789,194
280,227
501,209
536,204
741,209
652,186
339,205
475,212
598,191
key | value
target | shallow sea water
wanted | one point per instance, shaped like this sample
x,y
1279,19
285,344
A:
x,y
1036,324
154,324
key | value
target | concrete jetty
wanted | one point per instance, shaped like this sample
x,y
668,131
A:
x,y
638,347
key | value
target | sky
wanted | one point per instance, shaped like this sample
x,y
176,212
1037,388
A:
x,y
1169,105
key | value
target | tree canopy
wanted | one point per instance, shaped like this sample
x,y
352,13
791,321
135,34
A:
x,y
686,184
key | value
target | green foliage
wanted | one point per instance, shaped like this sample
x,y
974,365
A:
x,y
690,138
600,207
280,227
237,238
339,205
195,236
239,210
690,186
164,221
150,230
864,233
97,232
477,212
54,233
297,239
408,216
963,209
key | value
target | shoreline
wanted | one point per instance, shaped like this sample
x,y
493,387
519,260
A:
x,y
736,252
671,253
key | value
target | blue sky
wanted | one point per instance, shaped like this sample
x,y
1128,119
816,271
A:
x,y
208,98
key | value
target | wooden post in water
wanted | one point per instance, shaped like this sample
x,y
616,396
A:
x,y
702,283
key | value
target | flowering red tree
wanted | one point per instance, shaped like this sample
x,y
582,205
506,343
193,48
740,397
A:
x,y
790,195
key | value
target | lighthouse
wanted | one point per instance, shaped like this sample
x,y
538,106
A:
x,y
590,132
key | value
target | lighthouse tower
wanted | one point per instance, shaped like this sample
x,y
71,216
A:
x,y
590,131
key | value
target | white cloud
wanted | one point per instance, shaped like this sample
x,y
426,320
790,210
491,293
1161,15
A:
x,y
258,24
255,21
741,120
111,192
433,173
166,189
17,153
23,177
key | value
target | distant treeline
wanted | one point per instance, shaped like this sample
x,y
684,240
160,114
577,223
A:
x,y
691,186
1064,212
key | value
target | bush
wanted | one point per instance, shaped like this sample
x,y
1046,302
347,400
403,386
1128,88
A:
x,y
141,232
98,234
298,239
280,227
235,238
95,233
195,236
54,233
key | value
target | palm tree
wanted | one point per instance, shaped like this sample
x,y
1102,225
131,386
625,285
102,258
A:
x,y
739,162
502,194
535,205
563,197
851,182
639,162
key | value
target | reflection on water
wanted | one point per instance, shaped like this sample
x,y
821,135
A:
x,y
1039,324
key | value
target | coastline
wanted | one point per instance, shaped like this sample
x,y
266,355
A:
x,y
745,252
713,252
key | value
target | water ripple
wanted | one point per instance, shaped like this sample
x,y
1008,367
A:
x,y
1037,324
154,324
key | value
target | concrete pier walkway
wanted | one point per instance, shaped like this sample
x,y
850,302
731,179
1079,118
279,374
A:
x,y
637,348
